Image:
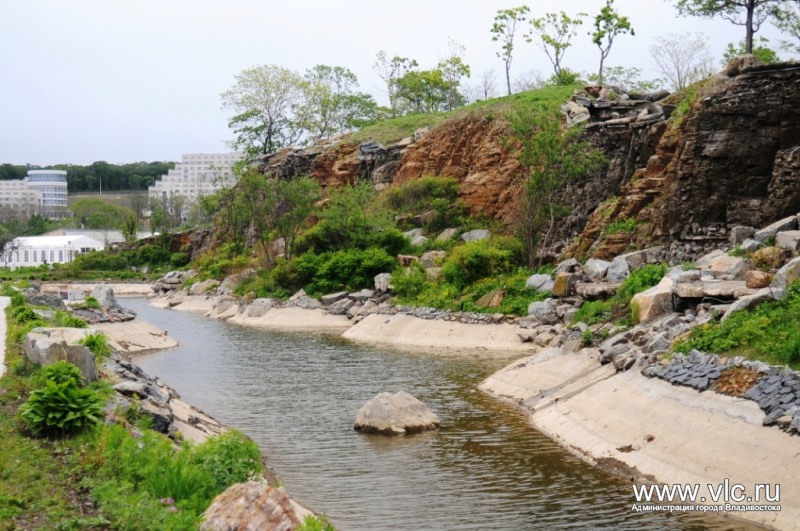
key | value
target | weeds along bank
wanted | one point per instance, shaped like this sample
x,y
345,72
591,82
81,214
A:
x,y
98,443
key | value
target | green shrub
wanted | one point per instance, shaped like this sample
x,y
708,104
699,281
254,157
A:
x,y
620,226
62,372
485,258
316,523
179,259
98,344
769,332
24,314
346,269
228,458
186,484
64,319
153,255
422,195
16,297
409,283
99,261
91,303
61,409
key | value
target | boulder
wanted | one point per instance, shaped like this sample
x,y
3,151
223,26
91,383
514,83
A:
x,y
757,279
770,231
751,246
201,288
770,257
395,414
229,283
413,233
740,234
789,240
341,307
424,218
539,309
383,283
540,282
259,307
493,299
419,241
41,349
704,262
105,296
749,302
362,296
406,260
446,235
715,289
251,505
306,303
653,302
728,267
144,391
596,290
568,266
475,235
432,259
618,270
595,270
738,64
787,275
564,284
330,298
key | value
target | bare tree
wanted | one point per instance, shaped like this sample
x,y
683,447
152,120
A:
x,y
529,80
488,84
682,59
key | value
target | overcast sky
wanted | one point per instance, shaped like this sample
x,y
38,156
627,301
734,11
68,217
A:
x,y
131,80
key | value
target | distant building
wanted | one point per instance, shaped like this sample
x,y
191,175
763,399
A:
x,y
33,251
41,192
107,237
196,175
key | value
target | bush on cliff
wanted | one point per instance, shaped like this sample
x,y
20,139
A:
x,y
429,194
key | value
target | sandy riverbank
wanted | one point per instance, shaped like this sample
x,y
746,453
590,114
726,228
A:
x,y
671,434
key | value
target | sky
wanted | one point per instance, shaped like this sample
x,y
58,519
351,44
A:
x,y
140,80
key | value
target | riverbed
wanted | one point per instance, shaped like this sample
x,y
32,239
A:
x,y
296,394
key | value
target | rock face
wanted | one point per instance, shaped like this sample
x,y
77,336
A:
x,y
251,506
395,414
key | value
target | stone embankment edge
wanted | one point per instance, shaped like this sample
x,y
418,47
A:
x,y
646,429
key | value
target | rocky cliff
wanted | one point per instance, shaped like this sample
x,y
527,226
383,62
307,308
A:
x,y
733,159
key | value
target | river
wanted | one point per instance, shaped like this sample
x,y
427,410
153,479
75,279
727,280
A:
x,y
296,394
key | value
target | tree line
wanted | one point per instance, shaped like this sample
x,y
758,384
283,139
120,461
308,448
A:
x,y
111,177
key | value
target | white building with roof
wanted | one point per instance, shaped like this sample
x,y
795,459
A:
x,y
33,251
197,174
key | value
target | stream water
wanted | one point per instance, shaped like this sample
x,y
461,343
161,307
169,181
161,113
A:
x,y
296,394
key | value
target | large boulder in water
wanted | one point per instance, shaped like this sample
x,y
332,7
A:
x,y
395,414
252,505
105,296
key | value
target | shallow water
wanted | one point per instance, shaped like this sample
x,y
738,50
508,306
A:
x,y
296,394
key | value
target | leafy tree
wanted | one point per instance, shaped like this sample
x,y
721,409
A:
x,y
607,25
265,99
96,213
550,158
682,59
748,13
332,104
787,19
425,91
454,69
553,33
391,71
761,50
504,30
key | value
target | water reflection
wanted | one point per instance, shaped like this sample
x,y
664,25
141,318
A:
x,y
297,395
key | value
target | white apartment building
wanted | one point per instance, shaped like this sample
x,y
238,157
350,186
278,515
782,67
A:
x,y
41,192
33,251
197,174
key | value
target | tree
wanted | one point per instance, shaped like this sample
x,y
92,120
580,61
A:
x,y
760,50
265,99
748,13
424,91
682,59
390,71
503,30
95,213
550,158
331,103
787,19
552,34
488,84
529,80
607,25
454,69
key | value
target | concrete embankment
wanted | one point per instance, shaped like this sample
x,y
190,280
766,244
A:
x,y
651,429
121,289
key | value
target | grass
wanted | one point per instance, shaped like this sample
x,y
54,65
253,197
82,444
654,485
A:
x,y
395,129
769,333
